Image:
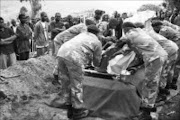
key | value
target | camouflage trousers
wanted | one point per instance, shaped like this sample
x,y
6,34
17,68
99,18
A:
x,y
168,70
151,82
71,76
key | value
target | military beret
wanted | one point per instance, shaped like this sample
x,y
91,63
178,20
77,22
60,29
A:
x,y
156,23
93,29
128,24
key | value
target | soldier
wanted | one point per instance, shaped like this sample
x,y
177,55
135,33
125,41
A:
x,y
70,33
72,58
171,33
172,49
153,56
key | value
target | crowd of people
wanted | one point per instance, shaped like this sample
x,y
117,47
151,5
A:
x,y
29,36
78,45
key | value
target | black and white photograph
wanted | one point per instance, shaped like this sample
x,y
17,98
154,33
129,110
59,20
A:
x,y
89,59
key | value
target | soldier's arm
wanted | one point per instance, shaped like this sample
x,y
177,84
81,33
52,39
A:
x,y
97,55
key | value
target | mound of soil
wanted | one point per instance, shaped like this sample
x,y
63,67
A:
x,y
25,86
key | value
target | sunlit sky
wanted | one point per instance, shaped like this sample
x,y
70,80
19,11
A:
x,y
10,8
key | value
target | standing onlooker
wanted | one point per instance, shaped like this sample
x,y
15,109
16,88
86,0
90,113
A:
x,y
52,19
29,23
104,23
14,25
33,21
97,16
7,54
124,16
56,27
23,40
41,35
118,29
105,17
70,20
8,24
106,32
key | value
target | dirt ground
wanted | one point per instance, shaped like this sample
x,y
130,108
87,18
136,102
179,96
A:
x,y
25,86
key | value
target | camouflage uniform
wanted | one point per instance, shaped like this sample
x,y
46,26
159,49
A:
x,y
151,82
68,34
153,56
71,76
171,32
171,48
72,57
171,64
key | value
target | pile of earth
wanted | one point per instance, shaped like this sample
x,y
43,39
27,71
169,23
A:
x,y
25,86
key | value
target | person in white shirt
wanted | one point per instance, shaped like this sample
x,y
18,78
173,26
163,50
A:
x,y
41,35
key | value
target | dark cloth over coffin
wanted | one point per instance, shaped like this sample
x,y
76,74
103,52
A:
x,y
109,99
137,79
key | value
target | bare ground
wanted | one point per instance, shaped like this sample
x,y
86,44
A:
x,y
28,84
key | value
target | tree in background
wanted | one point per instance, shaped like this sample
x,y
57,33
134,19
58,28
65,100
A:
x,y
35,7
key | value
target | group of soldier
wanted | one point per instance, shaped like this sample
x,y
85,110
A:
x,y
155,42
